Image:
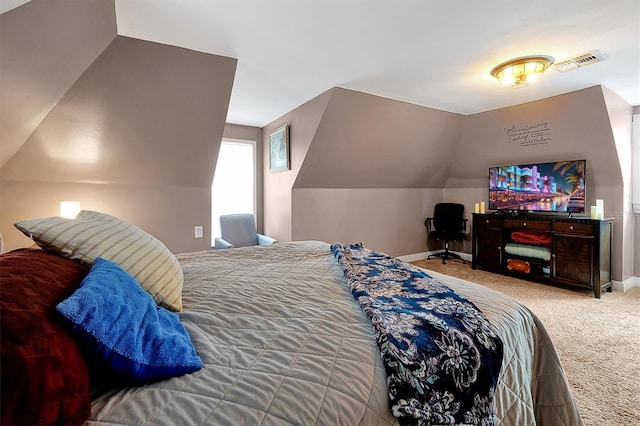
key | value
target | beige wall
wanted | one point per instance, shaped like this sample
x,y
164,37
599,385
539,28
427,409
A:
x,y
390,220
401,146
366,141
579,127
636,267
166,212
620,117
137,136
636,253
361,159
45,46
303,122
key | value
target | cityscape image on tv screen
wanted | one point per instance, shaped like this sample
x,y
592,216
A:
x,y
553,187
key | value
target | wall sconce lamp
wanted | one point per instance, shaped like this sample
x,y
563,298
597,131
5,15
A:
x,y
69,209
521,71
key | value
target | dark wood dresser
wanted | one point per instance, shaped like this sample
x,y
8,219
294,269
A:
x,y
570,251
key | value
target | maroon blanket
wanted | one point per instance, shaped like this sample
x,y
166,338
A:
x,y
45,380
531,237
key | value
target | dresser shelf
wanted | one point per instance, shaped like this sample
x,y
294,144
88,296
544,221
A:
x,y
570,251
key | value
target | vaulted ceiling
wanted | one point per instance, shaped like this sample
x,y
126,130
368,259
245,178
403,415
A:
x,y
435,53
431,53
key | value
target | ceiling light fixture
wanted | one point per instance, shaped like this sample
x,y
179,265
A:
x,y
521,71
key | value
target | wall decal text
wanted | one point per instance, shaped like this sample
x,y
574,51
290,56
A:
x,y
529,134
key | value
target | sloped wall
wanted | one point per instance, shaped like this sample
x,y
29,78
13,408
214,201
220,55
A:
x,y
620,116
44,47
136,136
373,171
366,141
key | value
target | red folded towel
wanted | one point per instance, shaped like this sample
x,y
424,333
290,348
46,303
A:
x,y
531,237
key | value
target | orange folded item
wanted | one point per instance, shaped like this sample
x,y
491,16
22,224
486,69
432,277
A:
x,y
518,265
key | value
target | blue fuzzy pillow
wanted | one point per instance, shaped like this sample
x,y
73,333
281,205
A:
x,y
124,328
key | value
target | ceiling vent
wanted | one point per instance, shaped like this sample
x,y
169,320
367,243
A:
x,y
578,61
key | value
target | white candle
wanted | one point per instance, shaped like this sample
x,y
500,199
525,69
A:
x,y
594,212
476,208
482,207
600,208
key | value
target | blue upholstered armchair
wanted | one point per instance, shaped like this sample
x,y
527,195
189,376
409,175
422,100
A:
x,y
239,230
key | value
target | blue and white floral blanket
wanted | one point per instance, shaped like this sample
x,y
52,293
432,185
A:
x,y
441,355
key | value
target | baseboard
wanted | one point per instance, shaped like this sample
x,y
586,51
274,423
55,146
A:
x,y
425,254
415,256
626,284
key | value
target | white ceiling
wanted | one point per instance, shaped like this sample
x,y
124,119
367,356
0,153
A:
x,y
428,52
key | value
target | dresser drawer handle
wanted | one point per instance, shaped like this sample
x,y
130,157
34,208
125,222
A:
x,y
487,221
524,224
571,228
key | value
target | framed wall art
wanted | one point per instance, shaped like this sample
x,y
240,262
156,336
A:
x,y
279,149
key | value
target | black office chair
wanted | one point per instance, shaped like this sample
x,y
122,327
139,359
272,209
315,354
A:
x,y
448,224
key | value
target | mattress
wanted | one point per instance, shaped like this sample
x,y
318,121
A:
x,y
283,342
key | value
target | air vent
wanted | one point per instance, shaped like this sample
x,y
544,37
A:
x,y
578,61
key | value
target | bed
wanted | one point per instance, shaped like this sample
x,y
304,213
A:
x,y
283,342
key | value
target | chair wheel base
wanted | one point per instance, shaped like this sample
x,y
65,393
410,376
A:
x,y
446,255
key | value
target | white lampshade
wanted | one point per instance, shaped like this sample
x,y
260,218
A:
x,y
69,209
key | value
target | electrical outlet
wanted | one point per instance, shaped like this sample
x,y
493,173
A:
x,y
197,231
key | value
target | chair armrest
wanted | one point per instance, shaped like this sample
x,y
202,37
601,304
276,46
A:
x,y
219,243
464,226
428,222
263,240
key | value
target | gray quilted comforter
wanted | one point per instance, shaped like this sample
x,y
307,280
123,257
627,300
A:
x,y
284,343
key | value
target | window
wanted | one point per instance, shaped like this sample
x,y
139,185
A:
x,y
234,182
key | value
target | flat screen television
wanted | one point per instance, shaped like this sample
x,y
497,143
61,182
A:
x,y
547,187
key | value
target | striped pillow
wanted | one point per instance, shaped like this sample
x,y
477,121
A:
x,y
92,235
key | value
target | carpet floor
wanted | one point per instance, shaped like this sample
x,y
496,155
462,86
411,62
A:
x,y
598,340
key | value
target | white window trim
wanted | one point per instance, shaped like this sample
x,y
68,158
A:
x,y
255,179
635,163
